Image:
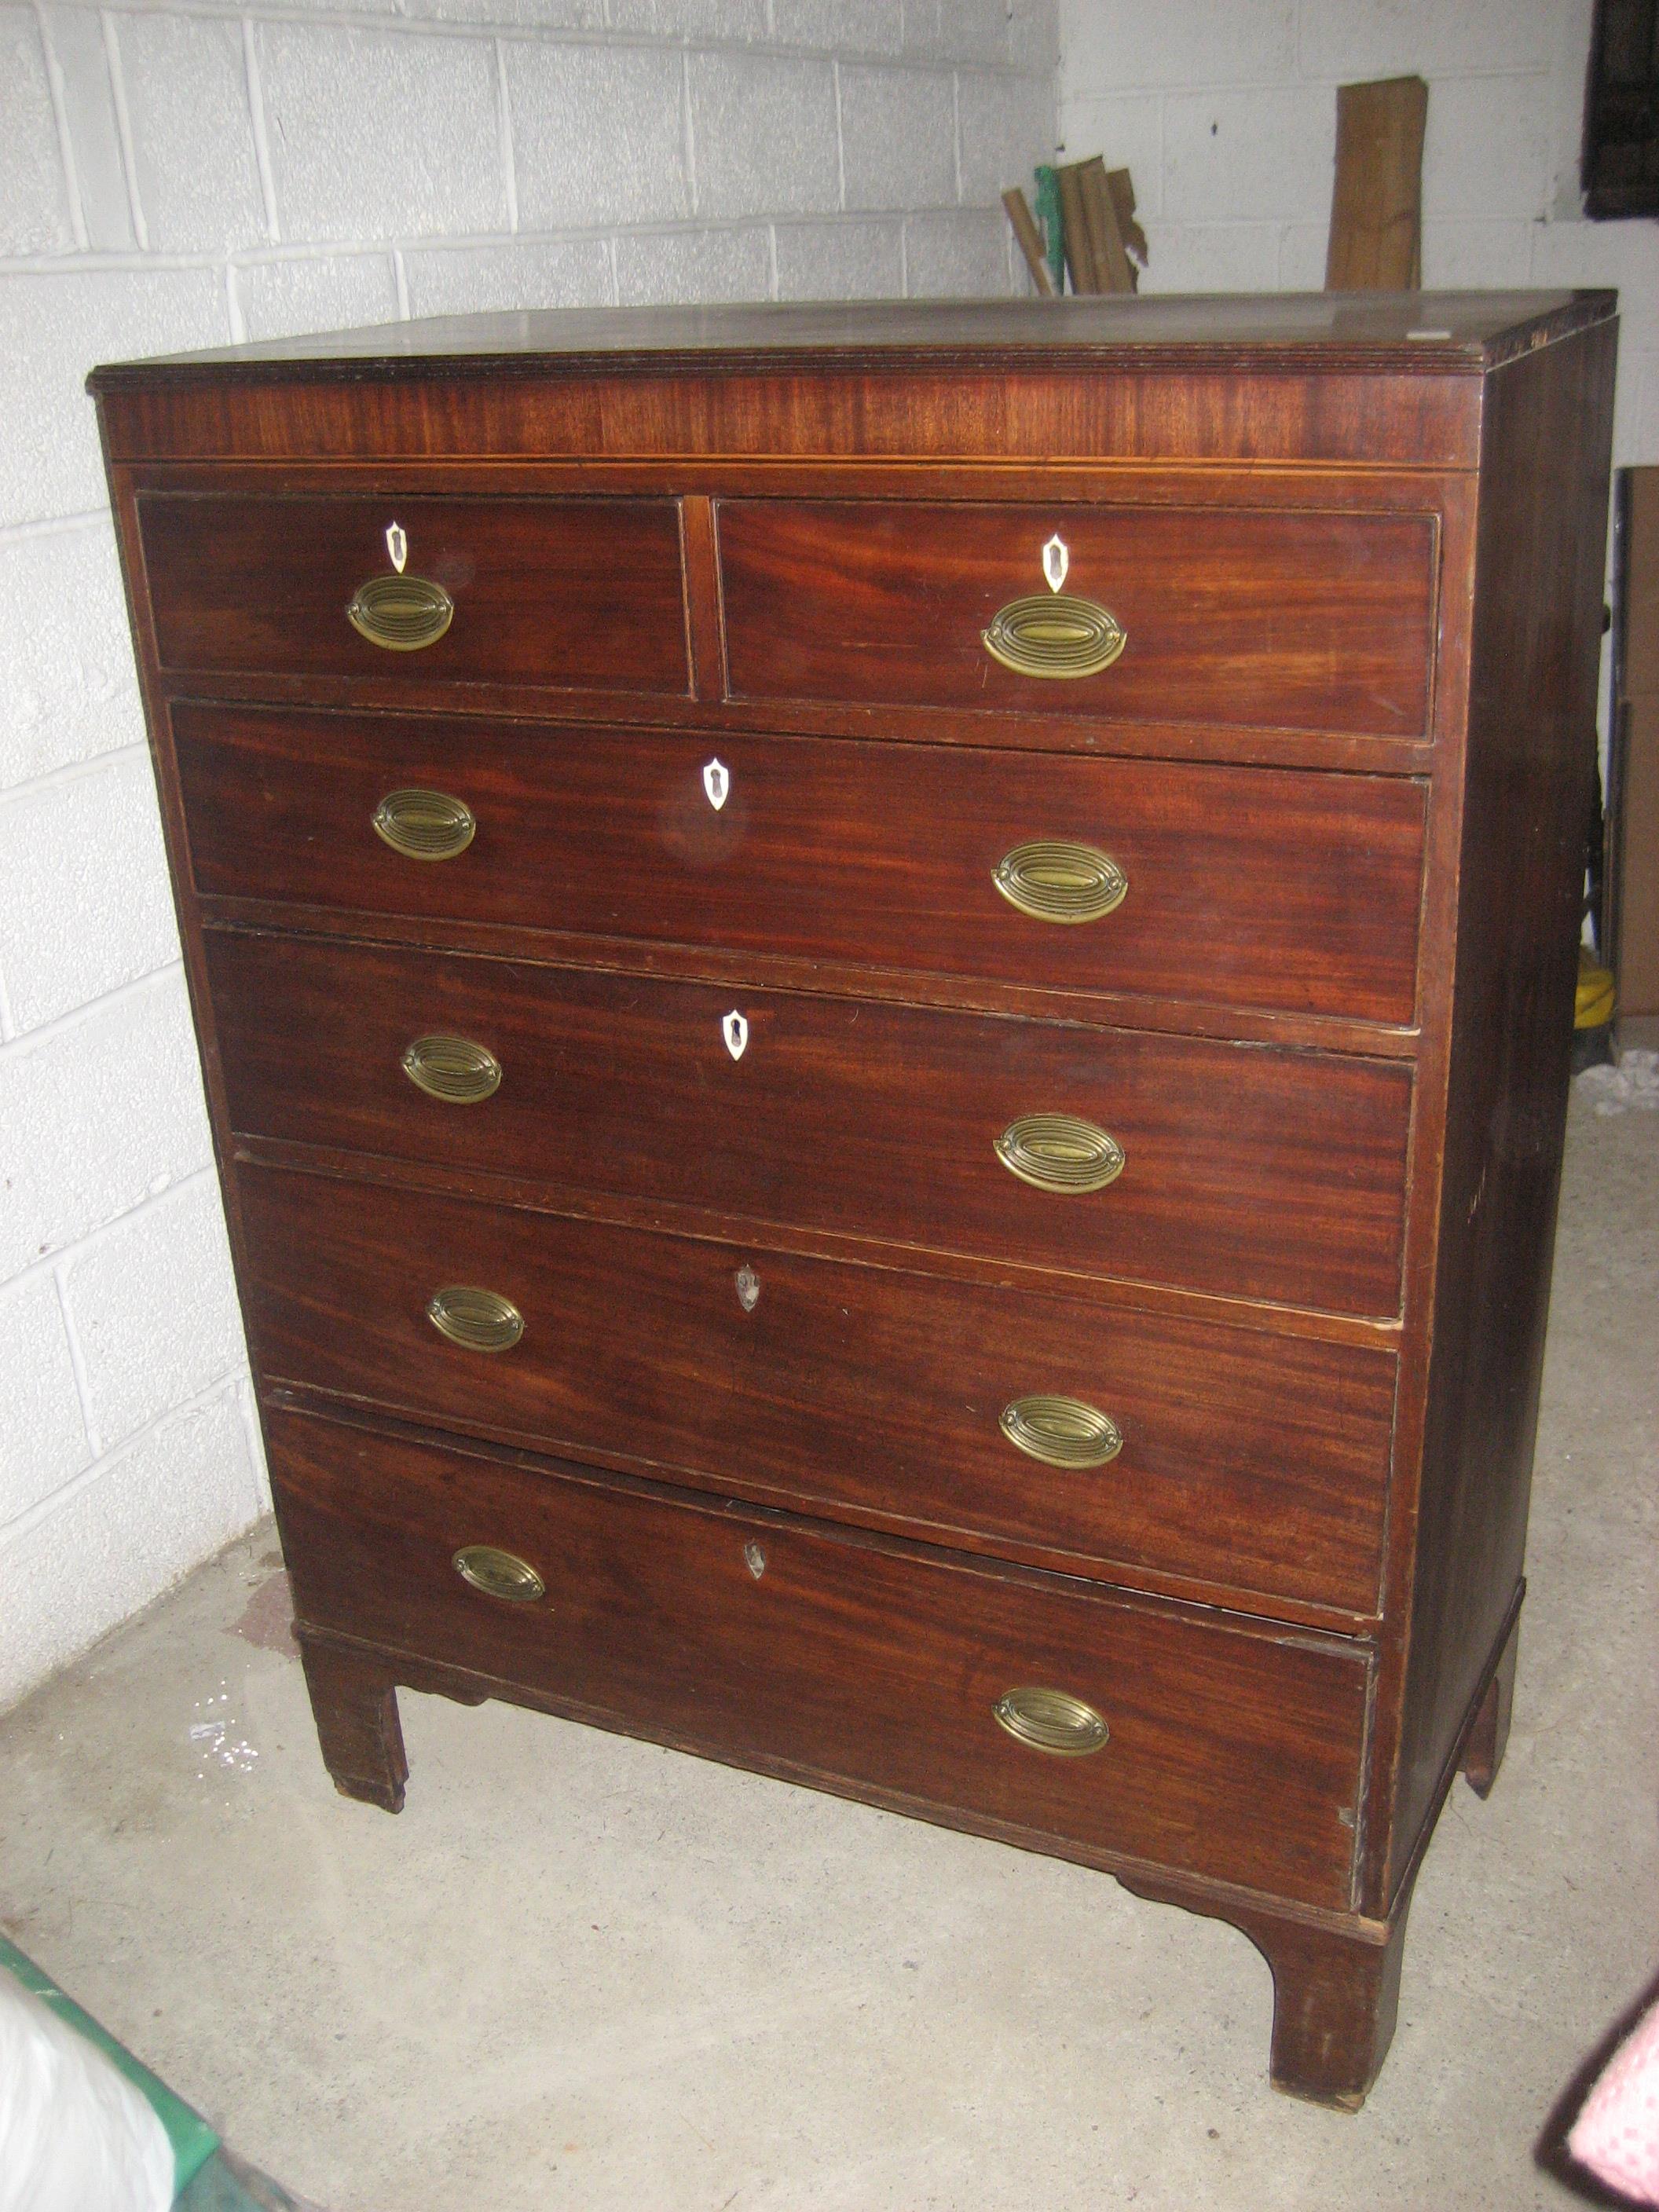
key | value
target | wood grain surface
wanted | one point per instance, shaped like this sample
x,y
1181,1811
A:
x,y
1313,621
1254,1465
1231,1751
1284,891
1250,1172
559,591
1526,804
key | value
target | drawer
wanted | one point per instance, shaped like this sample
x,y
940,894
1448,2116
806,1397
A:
x,y
1229,1751
1236,886
1251,1172
1259,1463
1309,621
565,592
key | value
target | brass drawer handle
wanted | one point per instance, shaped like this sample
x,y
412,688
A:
x,y
1052,1720
453,1068
1062,1431
1053,881
1059,1152
402,613
425,825
1049,635
478,1320
498,1574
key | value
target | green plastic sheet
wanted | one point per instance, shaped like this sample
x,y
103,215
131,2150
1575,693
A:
x,y
193,2141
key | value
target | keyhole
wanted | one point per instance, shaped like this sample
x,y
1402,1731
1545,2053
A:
x,y
749,1289
755,1560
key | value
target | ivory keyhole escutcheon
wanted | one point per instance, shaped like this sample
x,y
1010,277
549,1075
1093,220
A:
x,y
755,1560
1056,560
734,1033
749,1289
717,783
396,546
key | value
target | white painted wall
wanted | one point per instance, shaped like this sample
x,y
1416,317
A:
x,y
1225,113
184,175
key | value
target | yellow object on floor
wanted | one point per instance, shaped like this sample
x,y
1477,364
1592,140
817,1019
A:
x,y
1596,998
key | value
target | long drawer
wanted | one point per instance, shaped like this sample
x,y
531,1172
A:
x,y
560,593
1105,1440
1235,887
1315,620
1245,1170
1200,1744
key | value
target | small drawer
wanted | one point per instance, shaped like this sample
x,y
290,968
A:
x,y
1258,1463
1239,887
1244,1169
1313,621
564,593
1201,1743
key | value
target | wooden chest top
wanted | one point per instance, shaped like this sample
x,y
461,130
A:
x,y
1383,377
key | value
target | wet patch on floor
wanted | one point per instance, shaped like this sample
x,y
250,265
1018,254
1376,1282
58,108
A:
x,y
268,1616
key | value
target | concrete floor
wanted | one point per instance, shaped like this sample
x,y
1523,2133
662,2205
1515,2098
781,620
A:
x,y
580,1971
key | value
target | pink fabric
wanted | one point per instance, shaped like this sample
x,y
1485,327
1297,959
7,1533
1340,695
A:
x,y
1617,2133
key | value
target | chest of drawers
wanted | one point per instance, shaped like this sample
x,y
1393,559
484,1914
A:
x,y
885,997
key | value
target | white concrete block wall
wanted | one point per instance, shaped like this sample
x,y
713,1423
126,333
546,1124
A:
x,y
183,174
1225,112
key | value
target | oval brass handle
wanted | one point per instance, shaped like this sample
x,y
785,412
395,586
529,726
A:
x,y
478,1320
1052,1720
1062,1431
1053,881
1059,1152
425,825
1047,635
402,613
498,1574
451,1068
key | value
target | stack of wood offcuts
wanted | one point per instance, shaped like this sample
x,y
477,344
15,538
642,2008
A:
x,y
1084,227
1090,213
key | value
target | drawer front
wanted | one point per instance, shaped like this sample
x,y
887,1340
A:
x,y
1229,1753
1256,1463
565,593
1250,1171
1308,621
1236,886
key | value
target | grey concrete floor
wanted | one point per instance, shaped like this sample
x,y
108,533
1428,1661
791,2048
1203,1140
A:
x,y
580,1971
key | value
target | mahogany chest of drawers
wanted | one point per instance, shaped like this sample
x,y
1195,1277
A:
x,y
885,996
